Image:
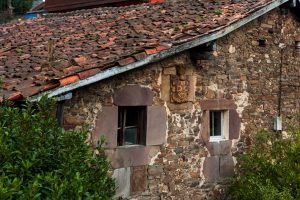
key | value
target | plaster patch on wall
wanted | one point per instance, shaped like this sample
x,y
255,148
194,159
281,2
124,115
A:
x,y
234,160
201,172
167,122
241,100
122,177
152,160
268,58
215,88
231,49
159,80
92,117
176,120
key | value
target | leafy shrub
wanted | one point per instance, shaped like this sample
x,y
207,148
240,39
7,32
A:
x,y
39,160
271,169
21,6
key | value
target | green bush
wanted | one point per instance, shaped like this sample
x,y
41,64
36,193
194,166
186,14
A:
x,y
21,6
39,160
271,168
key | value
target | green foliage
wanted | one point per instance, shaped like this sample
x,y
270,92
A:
x,y
21,6
39,160
271,169
218,12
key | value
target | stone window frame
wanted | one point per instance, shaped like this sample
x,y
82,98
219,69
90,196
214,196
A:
x,y
220,163
107,124
232,119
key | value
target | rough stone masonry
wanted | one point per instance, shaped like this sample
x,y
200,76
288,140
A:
x,y
239,76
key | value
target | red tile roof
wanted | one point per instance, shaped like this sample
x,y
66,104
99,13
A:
x,y
42,54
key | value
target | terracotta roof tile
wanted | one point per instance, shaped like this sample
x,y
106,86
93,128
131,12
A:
x,y
29,90
151,51
88,73
50,85
126,61
68,80
76,45
140,56
15,96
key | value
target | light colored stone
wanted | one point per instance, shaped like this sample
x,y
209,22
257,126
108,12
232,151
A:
x,y
169,71
231,49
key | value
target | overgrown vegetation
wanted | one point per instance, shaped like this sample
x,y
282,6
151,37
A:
x,y
271,169
20,6
39,160
218,12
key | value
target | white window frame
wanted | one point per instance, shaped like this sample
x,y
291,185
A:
x,y
224,126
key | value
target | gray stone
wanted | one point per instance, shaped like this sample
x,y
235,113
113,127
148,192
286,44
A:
x,y
122,177
170,71
133,95
204,135
226,166
234,125
217,104
178,150
107,125
192,88
211,168
155,170
213,148
138,180
225,147
165,88
156,125
129,156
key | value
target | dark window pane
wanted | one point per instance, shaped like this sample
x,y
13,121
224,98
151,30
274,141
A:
x,y
216,123
120,137
132,116
130,136
131,125
120,117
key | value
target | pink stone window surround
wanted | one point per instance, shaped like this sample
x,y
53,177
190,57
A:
x,y
109,123
230,123
220,163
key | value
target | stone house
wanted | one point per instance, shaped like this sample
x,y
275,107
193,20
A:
x,y
177,89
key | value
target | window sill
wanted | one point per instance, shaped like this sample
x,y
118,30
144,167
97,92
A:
x,y
130,146
217,139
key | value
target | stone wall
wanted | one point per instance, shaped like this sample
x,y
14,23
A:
x,y
241,75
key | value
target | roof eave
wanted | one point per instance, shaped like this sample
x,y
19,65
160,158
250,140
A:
x,y
161,55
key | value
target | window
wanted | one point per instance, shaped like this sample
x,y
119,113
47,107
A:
x,y
218,125
131,125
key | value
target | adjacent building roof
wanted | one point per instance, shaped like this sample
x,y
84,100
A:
x,y
62,52
64,5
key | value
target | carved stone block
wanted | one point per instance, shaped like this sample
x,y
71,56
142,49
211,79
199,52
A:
x,y
179,89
